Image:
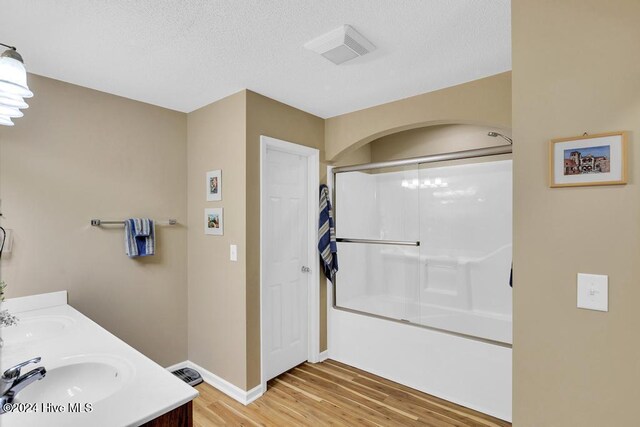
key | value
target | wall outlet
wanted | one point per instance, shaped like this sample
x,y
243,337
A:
x,y
233,252
593,292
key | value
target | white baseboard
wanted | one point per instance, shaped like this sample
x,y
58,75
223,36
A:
x,y
319,357
233,391
323,356
253,394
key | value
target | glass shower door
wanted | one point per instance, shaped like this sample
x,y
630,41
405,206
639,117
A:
x,y
465,252
378,241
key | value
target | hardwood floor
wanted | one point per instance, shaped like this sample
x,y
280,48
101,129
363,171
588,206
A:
x,y
332,393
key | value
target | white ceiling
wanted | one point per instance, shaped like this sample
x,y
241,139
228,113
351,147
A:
x,y
186,54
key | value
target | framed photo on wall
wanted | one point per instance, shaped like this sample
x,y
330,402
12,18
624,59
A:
x,y
214,186
213,224
588,160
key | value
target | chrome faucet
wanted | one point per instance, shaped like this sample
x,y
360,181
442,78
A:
x,y
11,382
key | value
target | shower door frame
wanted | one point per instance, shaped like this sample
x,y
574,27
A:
x,y
455,155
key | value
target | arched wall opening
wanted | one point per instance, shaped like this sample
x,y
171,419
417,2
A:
x,y
422,141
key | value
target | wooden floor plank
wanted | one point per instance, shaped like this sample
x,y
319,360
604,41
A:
x,y
338,394
316,411
368,391
343,402
334,394
399,388
339,391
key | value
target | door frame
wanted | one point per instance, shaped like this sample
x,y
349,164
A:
x,y
313,294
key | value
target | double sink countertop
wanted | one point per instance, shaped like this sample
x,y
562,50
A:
x,y
93,378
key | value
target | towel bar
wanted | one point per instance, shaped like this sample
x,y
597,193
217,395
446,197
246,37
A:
x,y
100,222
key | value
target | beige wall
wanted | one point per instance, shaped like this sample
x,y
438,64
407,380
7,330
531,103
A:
x,y
576,69
485,102
356,157
217,316
271,118
224,296
80,154
434,140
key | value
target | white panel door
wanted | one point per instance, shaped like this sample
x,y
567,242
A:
x,y
285,284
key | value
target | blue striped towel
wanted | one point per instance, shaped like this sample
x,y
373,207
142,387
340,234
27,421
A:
x,y
139,237
327,236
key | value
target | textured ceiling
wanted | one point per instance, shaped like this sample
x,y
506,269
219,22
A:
x,y
186,54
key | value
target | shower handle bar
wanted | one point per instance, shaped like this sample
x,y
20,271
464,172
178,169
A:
x,y
378,242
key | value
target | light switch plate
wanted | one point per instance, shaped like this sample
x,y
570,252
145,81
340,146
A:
x,y
593,291
233,252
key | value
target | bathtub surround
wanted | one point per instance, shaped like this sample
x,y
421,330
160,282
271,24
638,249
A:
x,y
576,69
82,154
447,255
425,359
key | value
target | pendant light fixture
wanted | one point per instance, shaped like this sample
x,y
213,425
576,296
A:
x,y
13,85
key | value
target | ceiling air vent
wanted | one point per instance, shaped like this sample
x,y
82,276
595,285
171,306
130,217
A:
x,y
341,45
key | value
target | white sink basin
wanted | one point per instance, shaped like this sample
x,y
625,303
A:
x,y
85,381
86,365
35,328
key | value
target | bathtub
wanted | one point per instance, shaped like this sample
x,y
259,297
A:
x,y
475,372
467,295
422,296
472,324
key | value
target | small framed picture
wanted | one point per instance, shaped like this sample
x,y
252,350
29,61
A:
x,y
213,224
588,160
214,186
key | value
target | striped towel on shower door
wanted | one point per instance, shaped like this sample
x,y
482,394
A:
x,y
139,237
327,236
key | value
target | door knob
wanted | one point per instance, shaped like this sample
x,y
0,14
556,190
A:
x,y
306,269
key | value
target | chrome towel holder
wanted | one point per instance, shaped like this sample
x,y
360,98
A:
x,y
101,222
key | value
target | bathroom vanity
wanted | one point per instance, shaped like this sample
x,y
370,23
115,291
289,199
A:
x,y
92,377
